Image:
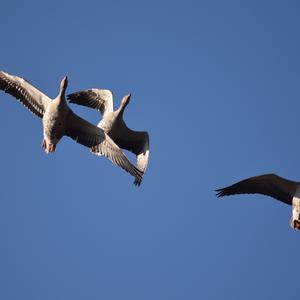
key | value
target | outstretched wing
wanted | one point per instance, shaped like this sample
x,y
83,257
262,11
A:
x,y
267,184
94,137
136,142
101,100
33,99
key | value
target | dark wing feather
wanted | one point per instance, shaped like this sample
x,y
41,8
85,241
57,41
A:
x,y
90,135
268,184
136,142
33,99
101,100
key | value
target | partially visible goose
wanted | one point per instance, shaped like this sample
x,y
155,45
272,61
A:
x,y
59,120
113,124
282,189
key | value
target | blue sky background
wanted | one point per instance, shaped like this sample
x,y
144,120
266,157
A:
x,y
216,85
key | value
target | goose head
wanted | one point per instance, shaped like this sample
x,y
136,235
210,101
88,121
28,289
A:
x,y
63,85
125,100
295,220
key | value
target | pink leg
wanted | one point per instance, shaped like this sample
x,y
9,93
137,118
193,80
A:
x,y
53,147
44,144
48,148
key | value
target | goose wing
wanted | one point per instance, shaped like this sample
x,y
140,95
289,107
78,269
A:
x,y
33,99
101,100
94,137
136,142
268,184
142,158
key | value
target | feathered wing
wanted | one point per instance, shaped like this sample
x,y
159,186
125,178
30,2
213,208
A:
x,y
136,142
101,100
267,184
33,99
90,136
142,153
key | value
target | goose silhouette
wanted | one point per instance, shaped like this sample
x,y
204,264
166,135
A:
x,y
59,120
113,124
272,185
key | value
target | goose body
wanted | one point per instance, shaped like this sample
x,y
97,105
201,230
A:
x,y
113,124
272,185
55,122
59,120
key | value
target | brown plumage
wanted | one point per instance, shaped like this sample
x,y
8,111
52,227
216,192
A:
x,y
272,185
113,124
59,120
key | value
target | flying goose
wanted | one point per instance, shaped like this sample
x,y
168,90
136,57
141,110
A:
x,y
59,120
282,189
113,124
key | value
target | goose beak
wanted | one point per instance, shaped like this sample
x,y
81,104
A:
x,y
64,82
125,100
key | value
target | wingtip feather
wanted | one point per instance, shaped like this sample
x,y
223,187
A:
x,y
220,193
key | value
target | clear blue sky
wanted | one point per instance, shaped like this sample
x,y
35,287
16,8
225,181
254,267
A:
x,y
216,84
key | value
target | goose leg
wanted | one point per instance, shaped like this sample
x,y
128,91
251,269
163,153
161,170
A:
x,y
44,144
49,148
95,150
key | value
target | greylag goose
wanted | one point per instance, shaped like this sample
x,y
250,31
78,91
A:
x,y
284,190
113,124
59,120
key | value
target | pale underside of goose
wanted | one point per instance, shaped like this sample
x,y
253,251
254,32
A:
x,y
113,124
282,189
59,120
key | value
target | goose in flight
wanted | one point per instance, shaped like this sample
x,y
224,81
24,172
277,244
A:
x,y
59,120
282,189
113,124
